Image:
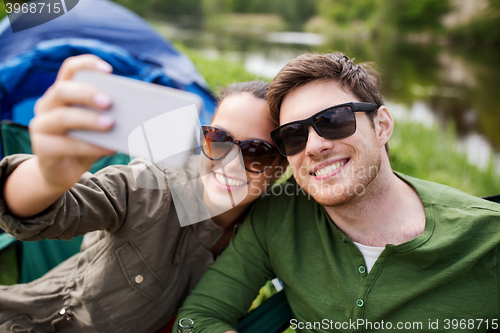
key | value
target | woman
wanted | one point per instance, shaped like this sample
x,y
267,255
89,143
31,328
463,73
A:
x,y
137,264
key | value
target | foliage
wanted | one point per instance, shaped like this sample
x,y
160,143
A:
x,y
8,266
382,16
214,7
295,12
411,15
373,18
2,11
245,23
141,8
346,11
484,29
177,7
265,293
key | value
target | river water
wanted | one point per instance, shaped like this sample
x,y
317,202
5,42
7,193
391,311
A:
x,y
425,82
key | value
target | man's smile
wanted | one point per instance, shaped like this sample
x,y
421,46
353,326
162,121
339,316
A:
x,y
328,168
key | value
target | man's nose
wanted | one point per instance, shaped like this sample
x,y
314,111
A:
x,y
316,145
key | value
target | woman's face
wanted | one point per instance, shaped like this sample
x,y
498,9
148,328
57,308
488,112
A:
x,y
226,182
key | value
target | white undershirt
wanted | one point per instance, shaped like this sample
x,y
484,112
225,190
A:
x,y
370,253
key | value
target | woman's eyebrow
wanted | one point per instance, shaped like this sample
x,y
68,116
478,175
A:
x,y
251,138
222,128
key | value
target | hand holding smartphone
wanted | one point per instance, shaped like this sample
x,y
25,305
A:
x,y
151,121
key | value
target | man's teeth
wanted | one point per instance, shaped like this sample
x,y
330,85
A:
x,y
328,169
228,181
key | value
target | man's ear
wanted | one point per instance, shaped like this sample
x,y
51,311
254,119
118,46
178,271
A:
x,y
384,125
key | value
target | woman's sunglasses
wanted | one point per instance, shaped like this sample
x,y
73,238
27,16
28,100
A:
x,y
335,123
258,155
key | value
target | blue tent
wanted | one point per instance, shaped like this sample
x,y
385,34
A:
x,y
29,59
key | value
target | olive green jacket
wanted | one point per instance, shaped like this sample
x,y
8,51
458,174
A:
x,y
136,265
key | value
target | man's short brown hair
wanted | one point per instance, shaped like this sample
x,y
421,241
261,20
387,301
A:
x,y
361,80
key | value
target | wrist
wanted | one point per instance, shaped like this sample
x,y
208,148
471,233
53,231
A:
x,y
27,193
48,186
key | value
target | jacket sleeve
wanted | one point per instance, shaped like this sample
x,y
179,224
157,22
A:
x,y
96,202
227,289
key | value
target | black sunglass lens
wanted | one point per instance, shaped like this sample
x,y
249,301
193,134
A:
x,y
336,123
292,139
256,155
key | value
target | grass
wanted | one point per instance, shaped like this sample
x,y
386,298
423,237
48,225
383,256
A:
x,y
8,266
218,72
245,23
430,153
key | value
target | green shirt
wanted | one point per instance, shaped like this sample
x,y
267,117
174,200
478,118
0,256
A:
x,y
444,280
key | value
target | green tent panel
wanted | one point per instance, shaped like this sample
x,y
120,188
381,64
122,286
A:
x,y
37,258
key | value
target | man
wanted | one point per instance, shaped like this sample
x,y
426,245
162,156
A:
x,y
375,249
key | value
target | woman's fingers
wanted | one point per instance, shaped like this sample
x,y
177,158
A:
x,y
61,159
86,61
65,118
48,132
57,146
72,93
64,91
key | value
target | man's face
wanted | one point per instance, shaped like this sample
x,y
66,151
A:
x,y
333,172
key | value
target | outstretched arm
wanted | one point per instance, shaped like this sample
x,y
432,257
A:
x,y
60,161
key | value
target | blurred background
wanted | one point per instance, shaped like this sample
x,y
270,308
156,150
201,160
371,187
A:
x,y
439,59
439,62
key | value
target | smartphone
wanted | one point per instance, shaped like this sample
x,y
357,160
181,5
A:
x,y
158,123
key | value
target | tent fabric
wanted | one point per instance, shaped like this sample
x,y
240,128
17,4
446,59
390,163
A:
x,y
15,139
110,23
25,78
6,240
30,59
41,256
272,316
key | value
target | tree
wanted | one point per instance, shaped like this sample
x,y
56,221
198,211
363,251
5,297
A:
x,y
344,12
415,15
2,11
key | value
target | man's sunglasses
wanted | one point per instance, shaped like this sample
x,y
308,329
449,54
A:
x,y
334,123
258,155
